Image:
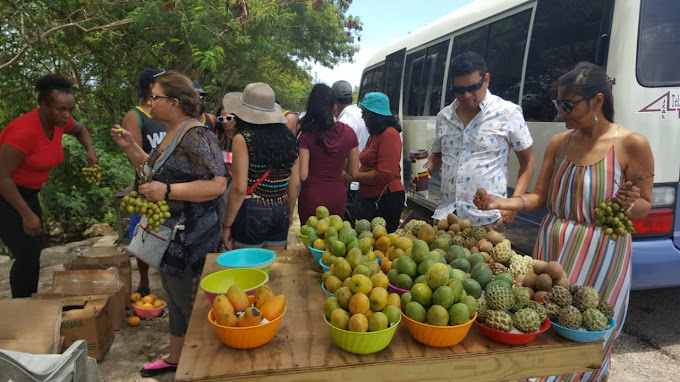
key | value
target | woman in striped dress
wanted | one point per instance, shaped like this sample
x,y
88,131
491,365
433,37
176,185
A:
x,y
594,161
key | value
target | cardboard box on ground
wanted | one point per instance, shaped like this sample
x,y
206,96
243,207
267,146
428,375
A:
x,y
84,318
95,281
30,326
104,258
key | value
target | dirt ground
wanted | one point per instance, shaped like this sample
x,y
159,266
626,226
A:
x,y
640,353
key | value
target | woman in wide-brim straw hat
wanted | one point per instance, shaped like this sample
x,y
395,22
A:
x,y
263,190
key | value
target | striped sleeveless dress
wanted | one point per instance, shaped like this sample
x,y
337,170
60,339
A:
x,y
567,235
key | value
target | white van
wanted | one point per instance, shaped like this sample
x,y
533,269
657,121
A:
x,y
527,45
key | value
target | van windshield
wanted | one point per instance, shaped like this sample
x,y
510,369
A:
x,y
659,43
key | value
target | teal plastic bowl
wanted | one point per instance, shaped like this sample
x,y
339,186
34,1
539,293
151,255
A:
x,y
219,282
582,335
325,267
256,258
328,294
315,252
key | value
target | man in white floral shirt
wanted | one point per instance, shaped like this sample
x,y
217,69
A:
x,y
472,143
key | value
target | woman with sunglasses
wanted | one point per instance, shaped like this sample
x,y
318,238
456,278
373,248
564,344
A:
x,y
29,147
596,160
191,180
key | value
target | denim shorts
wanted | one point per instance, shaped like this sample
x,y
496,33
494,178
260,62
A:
x,y
258,224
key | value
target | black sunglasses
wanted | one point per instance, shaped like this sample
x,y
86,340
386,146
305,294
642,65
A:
x,y
225,118
568,105
155,97
469,89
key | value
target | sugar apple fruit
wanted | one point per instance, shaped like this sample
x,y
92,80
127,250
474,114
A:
x,y
378,221
527,320
570,317
499,320
586,297
561,296
499,297
606,309
481,309
521,298
594,320
362,226
498,268
502,253
553,310
540,309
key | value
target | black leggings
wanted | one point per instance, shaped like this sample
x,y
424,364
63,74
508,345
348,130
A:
x,y
389,207
25,272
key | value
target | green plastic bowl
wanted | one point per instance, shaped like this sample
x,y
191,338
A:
x,y
362,342
248,279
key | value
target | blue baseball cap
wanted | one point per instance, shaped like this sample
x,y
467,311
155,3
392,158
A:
x,y
376,102
146,78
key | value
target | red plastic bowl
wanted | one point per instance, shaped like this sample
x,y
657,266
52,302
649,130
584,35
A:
x,y
512,338
146,313
392,289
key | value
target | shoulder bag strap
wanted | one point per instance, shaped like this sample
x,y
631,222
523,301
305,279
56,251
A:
x,y
254,186
171,147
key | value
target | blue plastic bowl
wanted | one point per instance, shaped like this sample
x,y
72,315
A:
x,y
328,294
315,252
581,335
255,258
325,267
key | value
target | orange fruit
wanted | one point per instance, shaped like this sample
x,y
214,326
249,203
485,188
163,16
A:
x,y
139,303
134,321
135,297
383,243
148,299
157,303
319,244
153,296
147,305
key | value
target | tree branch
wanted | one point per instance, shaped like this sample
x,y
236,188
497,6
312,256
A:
x,y
77,24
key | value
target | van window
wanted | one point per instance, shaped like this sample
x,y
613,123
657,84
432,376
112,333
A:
x,y
659,43
502,44
372,81
563,36
425,79
394,64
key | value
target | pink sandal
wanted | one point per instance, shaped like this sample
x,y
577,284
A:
x,y
157,368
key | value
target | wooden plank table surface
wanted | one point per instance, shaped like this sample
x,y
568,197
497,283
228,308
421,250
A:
x,y
303,349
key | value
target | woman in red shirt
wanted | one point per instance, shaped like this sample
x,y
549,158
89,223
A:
x,y
29,147
380,172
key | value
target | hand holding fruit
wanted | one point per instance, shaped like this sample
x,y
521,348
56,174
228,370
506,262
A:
x,y
484,201
153,191
627,194
121,137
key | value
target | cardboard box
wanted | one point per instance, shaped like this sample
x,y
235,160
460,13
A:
x,y
104,258
84,318
94,281
30,326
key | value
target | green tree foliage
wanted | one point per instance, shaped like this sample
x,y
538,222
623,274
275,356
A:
x,y
103,45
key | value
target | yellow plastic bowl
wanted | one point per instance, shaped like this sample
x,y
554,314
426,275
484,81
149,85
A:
x,y
248,279
248,337
437,336
362,342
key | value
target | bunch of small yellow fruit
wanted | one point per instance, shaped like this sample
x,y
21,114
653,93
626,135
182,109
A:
x,y
147,302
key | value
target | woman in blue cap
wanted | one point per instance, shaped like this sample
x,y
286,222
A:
x,y
380,188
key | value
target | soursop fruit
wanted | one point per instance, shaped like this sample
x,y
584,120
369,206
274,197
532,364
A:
x,y
570,317
606,309
378,221
521,298
540,309
499,297
481,309
527,320
498,319
594,320
561,296
586,297
502,253
553,310
498,268
362,226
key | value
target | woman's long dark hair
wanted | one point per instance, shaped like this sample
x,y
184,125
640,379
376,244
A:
x,y
319,115
274,144
588,79
377,124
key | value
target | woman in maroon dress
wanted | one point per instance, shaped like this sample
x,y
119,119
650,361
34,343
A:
x,y
326,149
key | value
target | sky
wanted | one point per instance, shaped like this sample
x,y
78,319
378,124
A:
x,y
383,22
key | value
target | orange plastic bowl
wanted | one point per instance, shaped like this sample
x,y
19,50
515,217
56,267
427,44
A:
x,y
513,338
248,337
437,336
147,313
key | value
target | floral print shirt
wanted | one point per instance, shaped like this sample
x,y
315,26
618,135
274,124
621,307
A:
x,y
477,155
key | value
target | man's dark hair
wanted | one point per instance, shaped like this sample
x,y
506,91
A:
x,y
466,63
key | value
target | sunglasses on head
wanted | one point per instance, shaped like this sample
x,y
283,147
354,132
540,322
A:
x,y
567,105
470,89
225,118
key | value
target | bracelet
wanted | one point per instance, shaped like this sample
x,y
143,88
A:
x,y
631,206
167,191
523,200
226,226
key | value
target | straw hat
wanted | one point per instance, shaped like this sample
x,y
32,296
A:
x,y
256,105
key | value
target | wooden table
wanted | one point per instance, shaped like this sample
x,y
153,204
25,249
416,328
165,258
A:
x,y
303,349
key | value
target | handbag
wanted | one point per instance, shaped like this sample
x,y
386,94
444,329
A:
x,y
147,245
367,208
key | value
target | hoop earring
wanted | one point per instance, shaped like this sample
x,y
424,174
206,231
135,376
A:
x,y
595,118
